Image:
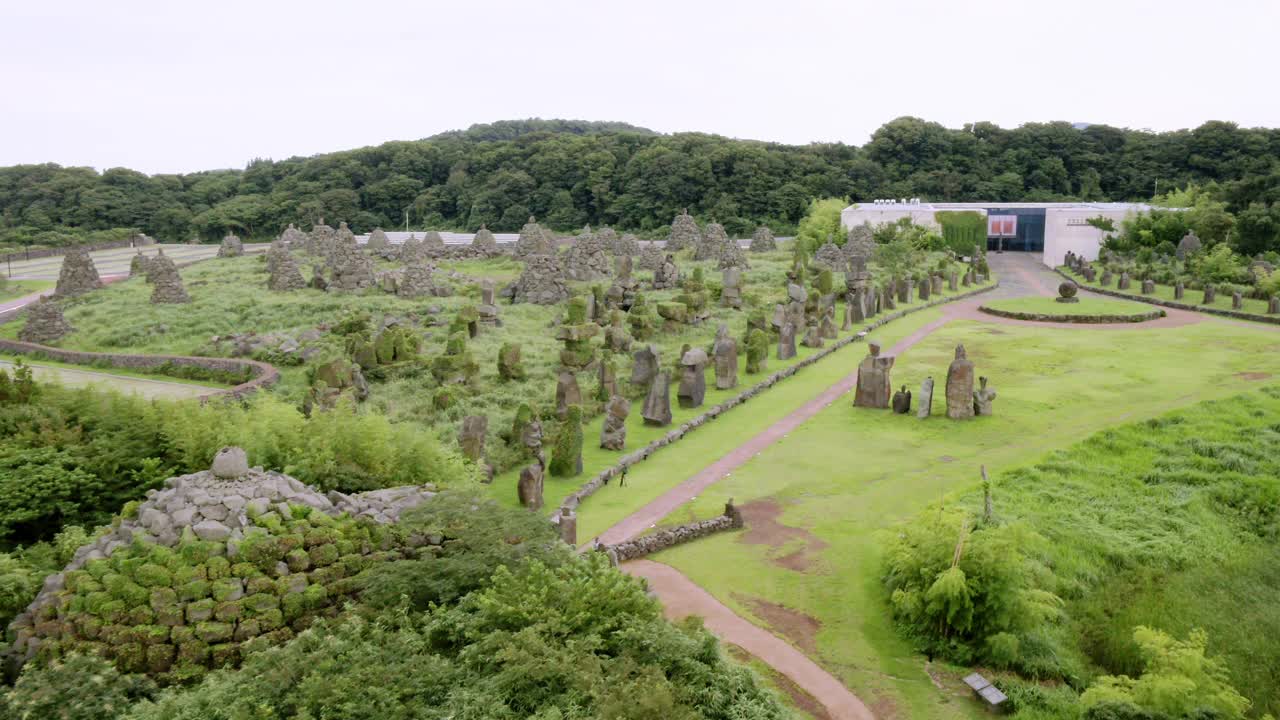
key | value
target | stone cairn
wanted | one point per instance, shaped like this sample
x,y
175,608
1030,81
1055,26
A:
x,y
616,337
377,241
732,256
608,238
713,243
433,243
541,283
349,269
1188,245
534,240
293,238
651,258
45,323
830,256
762,240
231,247
321,239
960,386
874,385
667,276
282,269
982,398
166,282
223,508
484,242
684,233
418,280
576,334
586,258
860,241
613,435
626,245
140,266
622,293
412,250
78,274
488,310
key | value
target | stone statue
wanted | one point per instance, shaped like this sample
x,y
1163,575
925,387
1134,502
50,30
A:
x,y
657,405
902,401
874,386
925,408
960,386
982,398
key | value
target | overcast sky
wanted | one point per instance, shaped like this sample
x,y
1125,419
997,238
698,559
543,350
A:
x,y
177,86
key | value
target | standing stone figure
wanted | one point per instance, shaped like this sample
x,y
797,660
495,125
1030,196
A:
x,y
925,408
1237,301
1179,289
726,359
982,398
874,385
693,381
644,366
657,405
667,276
613,436
1210,295
567,393
757,351
529,486
960,386
787,341
902,401
471,436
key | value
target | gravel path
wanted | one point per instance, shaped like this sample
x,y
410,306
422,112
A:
x,y
146,387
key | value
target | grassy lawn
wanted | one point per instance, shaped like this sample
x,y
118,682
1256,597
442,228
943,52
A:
x,y
17,288
108,370
674,464
1165,292
1088,305
818,500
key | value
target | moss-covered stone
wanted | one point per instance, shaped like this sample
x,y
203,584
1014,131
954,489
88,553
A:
x,y
160,658
298,560
140,615
322,555
227,589
199,611
218,568
151,575
194,590
213,632
195,652
130,657
228,611
152,634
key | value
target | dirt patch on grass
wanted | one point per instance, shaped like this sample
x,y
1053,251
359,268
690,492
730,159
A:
x,y
761,518
801,699
1253,375
793,625
947,458
884,708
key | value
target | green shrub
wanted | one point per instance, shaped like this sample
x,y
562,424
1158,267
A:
x,y
78,687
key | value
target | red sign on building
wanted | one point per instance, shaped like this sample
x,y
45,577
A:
x,y
1002,226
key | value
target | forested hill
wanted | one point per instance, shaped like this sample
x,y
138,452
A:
x,y
569,173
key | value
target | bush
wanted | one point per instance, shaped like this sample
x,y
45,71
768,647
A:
x,y
79,687
821,222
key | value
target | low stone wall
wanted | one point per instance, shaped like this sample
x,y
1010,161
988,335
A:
x,y
57,251
265,375
1235,314
1081,319
663,539
590,487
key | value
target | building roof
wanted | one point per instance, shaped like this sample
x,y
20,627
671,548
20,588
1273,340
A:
x,y
936,206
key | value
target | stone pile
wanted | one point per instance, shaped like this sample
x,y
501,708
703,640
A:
x,y
616,337
293,238
1188,245
713,244
732,256
412,250
349,269
231,247
78,274
626,245
762,240
202,568
418,280
860,241
377,241
45,323
667,276
541,283
484,242
622,293
166,282
534,240
576,334
613,435
433,243
830,256
283,273
651,258
586,258
684,233
140,266
321,239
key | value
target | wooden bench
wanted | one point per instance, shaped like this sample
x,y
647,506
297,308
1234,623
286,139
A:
x,y
988,693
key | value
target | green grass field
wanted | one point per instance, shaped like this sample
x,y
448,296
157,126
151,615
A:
x,y
109,370
822,497
1088,305
17,288
1165,292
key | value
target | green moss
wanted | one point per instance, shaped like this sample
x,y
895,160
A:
x,y
97,568
293,605
151,575
213,632
163,596
140,615
260,584
228,611
566,456
270,521
320,536
169,615
199,611
322,555
271,619
227,589
245,570
160,658
195,652
217,568
131,657
260,603
182,634
187,573
298,560
152,634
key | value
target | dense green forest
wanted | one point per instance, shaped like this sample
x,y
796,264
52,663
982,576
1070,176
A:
x,y
569,173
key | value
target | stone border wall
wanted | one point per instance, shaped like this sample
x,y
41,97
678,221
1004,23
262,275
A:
x,y
590,487
663,539
1081,319
56,251
265,375
1234,314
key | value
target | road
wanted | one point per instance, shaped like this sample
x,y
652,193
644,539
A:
x,y
146,387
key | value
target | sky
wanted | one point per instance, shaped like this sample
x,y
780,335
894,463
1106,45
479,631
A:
x,y
180,86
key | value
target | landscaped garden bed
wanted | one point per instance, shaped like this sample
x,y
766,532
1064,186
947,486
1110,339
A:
x,y
1086,310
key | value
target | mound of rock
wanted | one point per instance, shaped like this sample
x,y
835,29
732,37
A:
x,y
651,257
377,240
231,247
714,242
586,258
216,564
139,265
166,283
283,273
321,239
418,280
732,256
483,242
860,242
684,233
626,245
762,240
45,323
349,269
534,240
78,274
292,237
433,243
830,256
541,283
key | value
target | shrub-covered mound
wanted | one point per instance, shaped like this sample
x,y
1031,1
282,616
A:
x,y
217,564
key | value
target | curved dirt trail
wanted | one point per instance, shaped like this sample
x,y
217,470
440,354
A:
x,y
1019,276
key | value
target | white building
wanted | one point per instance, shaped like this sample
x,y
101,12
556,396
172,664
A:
x,y
1050,229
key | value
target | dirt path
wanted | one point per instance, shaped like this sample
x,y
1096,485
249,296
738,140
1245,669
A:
x,y
145,387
